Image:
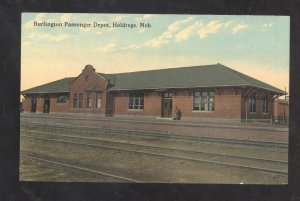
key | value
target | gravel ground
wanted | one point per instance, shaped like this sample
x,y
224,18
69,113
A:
x,y
224,132
146,168
140,167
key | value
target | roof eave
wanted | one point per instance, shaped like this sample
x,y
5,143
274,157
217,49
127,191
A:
x,y
56,92
212,86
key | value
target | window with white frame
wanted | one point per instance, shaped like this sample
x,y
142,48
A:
x,y
61,99
252,103
98,100
75,100
80,100
265,105
89,100
136,101
203,101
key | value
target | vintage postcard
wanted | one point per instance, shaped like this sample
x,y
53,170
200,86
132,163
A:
x,y
152,98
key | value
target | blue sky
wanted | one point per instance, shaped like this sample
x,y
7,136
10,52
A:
x,y
255,45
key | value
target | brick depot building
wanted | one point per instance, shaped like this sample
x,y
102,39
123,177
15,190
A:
x,y
211,91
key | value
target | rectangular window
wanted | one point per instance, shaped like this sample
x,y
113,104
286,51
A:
x,y
89,100
98,100
265,105
136,101
80,100
61,99
75,100
168,95
252,102
203,101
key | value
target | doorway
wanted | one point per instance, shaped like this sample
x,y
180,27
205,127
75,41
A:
x,y
46,107
167,104
33,104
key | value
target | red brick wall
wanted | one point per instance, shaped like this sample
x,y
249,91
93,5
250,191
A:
x,y
93,109
259,110
26,104
54,106
280,107
81,84
40,104
227,105
152,104
59,107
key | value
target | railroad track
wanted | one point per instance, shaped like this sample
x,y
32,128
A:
x,y
83,169
124,132
188,155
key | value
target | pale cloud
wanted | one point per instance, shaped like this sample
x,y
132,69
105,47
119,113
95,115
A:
x,y
111,29
87,29
38,18
200,28
268,25
119,18
187,32
177,33
142,30
59,37
98,32
164,38
46,36
107,48
229,23
34,35
212,27
147,16
158,41
144,17
240,27
65,17
25,43
177,25
133,47
182,30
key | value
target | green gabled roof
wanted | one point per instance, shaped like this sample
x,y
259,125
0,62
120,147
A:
x,y
110,77
215,75
58,86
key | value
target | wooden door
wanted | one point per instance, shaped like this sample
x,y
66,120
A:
x,y
167,108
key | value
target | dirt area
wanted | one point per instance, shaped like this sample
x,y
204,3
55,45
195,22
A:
x,y
140,167
147,168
